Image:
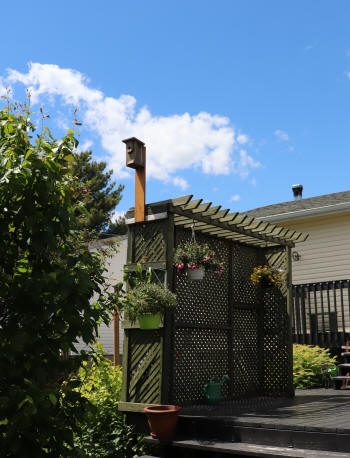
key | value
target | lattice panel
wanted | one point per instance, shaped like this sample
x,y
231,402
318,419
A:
x,y
277,257
206,301
149,242
244,259
246,353
144,366
200,354
276,342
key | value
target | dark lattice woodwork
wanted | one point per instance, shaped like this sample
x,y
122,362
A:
x,y
144,365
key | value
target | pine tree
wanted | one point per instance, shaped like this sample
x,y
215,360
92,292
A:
x,y
96,190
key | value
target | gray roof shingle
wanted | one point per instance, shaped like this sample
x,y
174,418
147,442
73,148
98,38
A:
x,y
303,204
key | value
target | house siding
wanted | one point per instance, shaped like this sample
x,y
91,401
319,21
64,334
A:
x,y
325,255
115,266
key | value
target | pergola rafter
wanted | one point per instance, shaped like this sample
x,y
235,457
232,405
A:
x,y
214,220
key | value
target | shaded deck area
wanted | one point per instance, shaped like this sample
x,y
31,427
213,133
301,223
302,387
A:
x,y
313,420
311,410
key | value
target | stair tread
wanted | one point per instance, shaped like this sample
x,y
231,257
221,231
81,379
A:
x,y
344,365
242,448
341,377
345,353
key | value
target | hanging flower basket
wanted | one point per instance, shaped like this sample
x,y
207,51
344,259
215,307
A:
x,y
196,259
146,303
266,276
150,321
196,274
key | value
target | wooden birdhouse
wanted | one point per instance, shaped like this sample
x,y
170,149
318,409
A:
x,y
135,153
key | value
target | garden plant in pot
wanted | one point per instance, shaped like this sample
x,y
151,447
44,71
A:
x,y
145,301
266,276
195,259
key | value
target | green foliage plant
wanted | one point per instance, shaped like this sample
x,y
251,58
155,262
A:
x,y
193,255
48,276
146,295
310,364
147,298
103,432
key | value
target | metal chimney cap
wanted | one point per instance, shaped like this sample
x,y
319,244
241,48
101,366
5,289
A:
x,y
297,191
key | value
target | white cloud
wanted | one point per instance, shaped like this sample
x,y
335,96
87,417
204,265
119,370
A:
x,y
117,214
235,198
2,88
281,135
245,164
242,139
180,182
202,141
86,145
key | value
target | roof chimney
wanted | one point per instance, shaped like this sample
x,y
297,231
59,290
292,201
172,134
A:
x,y
297,191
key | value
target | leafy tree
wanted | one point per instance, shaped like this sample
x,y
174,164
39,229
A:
x,y
47,277
95,189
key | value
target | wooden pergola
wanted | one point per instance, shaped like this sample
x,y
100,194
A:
x,y
219,326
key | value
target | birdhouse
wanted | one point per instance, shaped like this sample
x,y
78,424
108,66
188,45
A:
x,y
135,153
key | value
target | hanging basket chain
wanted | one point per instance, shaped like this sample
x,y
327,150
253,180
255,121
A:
x,y
193,236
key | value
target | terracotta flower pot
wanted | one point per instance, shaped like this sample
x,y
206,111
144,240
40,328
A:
x,y
162,420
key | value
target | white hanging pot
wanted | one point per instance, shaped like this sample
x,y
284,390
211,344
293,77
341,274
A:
x,y
196,274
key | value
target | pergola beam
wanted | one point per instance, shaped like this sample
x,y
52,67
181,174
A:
x,y
186,212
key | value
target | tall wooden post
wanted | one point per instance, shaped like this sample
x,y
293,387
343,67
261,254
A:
x,y
116,360
140,193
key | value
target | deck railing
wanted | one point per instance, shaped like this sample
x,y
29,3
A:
x,y
321,313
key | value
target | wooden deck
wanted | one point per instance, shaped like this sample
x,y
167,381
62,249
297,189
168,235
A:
x,y
311,410
315,420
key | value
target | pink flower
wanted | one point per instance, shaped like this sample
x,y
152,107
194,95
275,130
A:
x,y
180,266
192,266
219,270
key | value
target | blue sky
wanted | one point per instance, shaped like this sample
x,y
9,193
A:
x,y
237,100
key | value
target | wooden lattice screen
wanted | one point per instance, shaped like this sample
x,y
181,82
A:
x,y
220,325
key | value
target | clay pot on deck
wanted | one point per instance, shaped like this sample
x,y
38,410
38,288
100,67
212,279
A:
x,y
162,420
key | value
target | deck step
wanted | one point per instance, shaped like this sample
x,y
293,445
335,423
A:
x,y
344,365
246,449
345,353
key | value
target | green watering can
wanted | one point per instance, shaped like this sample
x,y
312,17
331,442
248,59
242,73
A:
x,y
212,390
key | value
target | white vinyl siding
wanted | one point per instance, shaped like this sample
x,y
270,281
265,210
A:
x,y
115,267
325,255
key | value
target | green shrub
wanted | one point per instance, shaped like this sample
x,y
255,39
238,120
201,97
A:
x,y
48,276
104,432
309,365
